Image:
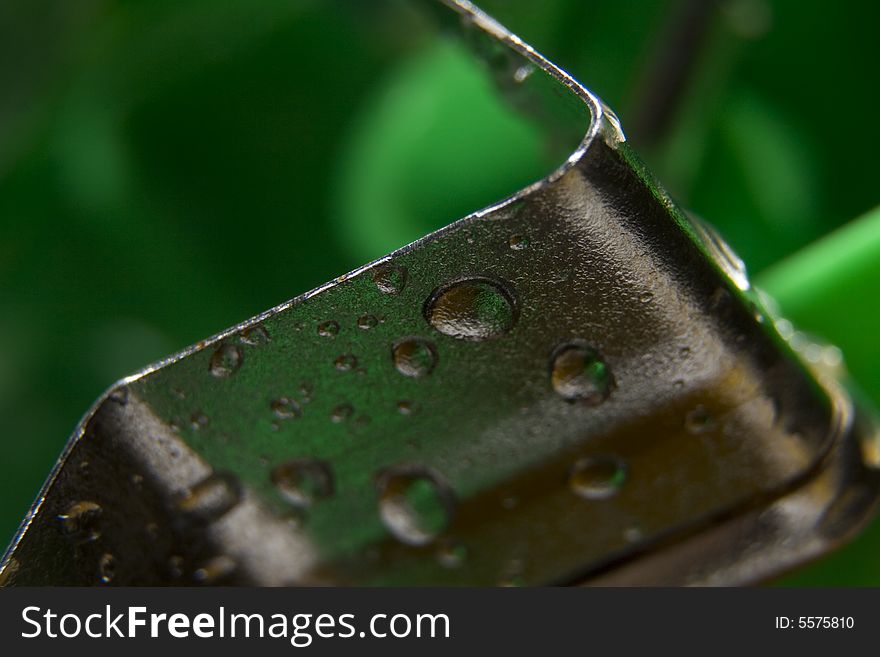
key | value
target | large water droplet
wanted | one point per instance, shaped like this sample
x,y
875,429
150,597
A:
x,y
80,521
415,505
286,408
472,309
578,373
597,477
226,360
212,497
414,357
303,481
390,278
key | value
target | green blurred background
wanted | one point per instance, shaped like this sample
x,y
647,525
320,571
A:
x,y
168,169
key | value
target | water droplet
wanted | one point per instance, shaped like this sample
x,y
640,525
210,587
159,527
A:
x,y
254,335
406,407
286,408
215,570
80,521
451,554
303,481
341,413
176,566
120,395
345,362
646,297
198,420
523,73
472,309
212,497
597,477
518,242
698,420
328,329
107,568
414,357
415,505
390,278
226,360
366,322
578,373
632,535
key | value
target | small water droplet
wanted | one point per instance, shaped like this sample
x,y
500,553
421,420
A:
x,y
215,570
285,408
328,329
698,420
451,554
578,373
120,395
366,322
176,566
523,73
107,568
212,497
345,362
472,309
597,477
406,407
198,420
341,413
632,535
518,242
390,278
254,335
303,481
414,357
226,360
415,505
646,297
80,521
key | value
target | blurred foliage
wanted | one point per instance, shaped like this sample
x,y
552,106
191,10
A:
x,y
168,169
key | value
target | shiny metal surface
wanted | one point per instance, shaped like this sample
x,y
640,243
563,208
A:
x,y
576,384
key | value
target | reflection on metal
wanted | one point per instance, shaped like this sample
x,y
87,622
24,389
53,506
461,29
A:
x,y
575,385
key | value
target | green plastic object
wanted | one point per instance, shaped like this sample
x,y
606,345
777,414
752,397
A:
x,y
831,289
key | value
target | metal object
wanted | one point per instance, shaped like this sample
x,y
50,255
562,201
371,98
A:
x,y
575,385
